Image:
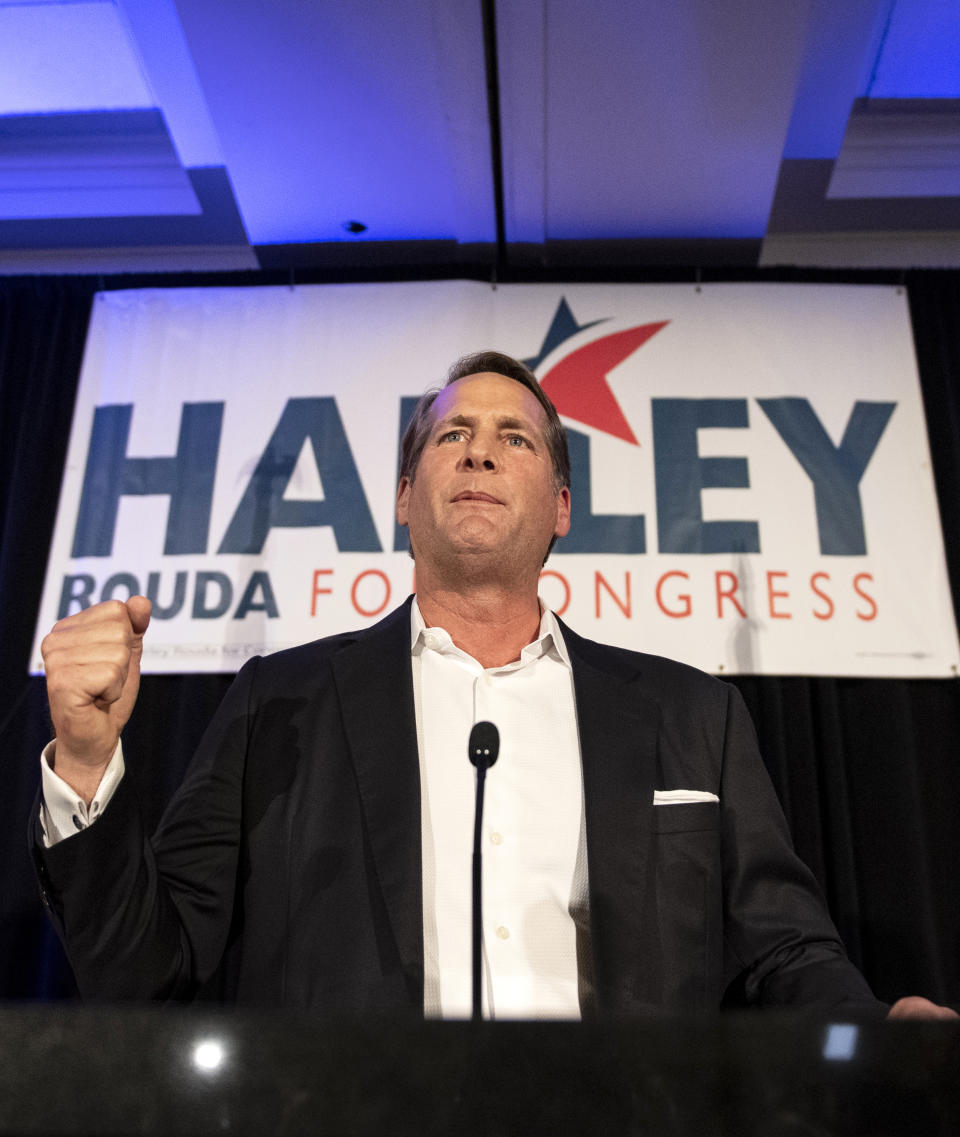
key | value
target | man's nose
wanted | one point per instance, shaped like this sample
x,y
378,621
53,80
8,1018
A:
x,y
479,454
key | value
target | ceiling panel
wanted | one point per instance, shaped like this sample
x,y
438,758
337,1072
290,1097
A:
x,y
345,111
92,164
920,54
67,57
899,148
869,182
354,132
656,120
840,52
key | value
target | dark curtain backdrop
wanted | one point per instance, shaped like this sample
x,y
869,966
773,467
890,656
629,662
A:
x,y
868,770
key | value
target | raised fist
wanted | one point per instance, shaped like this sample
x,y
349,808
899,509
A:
x,y
92,661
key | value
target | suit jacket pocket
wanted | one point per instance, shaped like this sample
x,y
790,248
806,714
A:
x,y
689,817
686,865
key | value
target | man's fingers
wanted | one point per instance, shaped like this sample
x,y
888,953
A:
x,y
916,1007
110,622
138,611
92,660
97,677
93,656
107,612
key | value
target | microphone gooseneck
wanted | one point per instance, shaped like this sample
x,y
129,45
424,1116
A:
x,y
482,750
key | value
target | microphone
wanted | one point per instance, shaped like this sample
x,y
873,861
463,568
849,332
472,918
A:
x,y
484,745
482,750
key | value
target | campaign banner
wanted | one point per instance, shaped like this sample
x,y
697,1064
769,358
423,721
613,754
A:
x,y
751,485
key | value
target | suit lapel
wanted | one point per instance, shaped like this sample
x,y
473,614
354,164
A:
x,y
618,729
375,685
618,743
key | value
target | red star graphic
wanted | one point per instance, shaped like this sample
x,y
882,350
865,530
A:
x,y
578,383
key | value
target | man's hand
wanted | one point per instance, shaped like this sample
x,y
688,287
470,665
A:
x,y
92,661
916,1007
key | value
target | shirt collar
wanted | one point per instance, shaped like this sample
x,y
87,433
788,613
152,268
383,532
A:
x,y
549,638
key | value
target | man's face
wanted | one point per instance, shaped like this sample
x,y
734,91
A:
x,y
484,483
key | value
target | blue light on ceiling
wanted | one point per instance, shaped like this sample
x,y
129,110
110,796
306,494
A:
x,y
67,57
920,55
881,49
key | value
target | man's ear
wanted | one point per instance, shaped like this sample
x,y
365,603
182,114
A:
x,y
403,497
563,513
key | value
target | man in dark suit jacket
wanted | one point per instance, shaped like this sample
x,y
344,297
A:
x,y
292,851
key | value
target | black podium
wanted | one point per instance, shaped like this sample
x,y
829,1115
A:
x,y
153,1071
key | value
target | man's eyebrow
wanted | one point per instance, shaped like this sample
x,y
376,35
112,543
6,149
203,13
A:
x,y
507,422
454,420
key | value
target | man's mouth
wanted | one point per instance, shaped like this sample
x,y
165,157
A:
x,y
475,495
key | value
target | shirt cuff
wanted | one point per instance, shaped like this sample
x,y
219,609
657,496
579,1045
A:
x,y
62,812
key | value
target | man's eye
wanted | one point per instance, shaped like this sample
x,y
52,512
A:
x,y
517,440
452,436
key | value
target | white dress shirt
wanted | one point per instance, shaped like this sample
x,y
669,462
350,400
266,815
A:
x,y
534,852
535,900
62,811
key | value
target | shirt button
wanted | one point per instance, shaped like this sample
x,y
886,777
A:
x,y
496,838
503,933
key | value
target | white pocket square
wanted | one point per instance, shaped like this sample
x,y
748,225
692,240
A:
x,y
682,797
